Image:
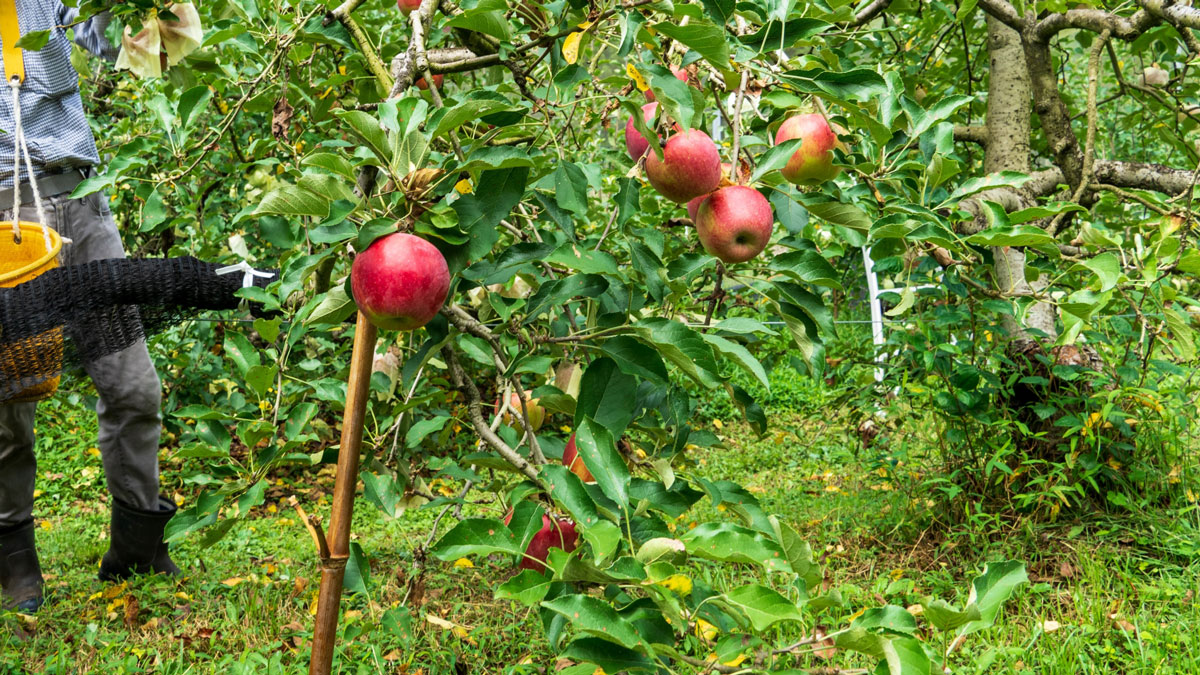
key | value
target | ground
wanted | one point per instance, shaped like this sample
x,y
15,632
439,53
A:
x,y
1106,594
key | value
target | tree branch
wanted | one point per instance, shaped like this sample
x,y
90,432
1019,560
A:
x,y
971,134
1003,12
872,10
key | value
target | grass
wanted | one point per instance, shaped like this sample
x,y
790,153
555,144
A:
x,y
1107,594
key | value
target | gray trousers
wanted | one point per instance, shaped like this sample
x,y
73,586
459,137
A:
x,y
128,386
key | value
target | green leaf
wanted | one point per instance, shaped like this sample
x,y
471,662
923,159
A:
x,y
606,395
992,180
568,491
480,212
797,551
293,200
596,618
563,290
604,538
34,40
477,536
526,521
606,655
860,84
739,355
241,352
528,588
807,266
467,111
764,606
260,378
422,428
681,346
599,453
704,36
628,200
191,102
846,215
635,358
906,656
570,188
776,34
334,308
945,616
1106,267
990,589
358,570
582,259
1017,235
907,299
862,641
776,158
367,128
489,23
889,618
732,543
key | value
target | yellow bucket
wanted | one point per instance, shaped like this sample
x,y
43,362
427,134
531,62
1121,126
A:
x,y
20,263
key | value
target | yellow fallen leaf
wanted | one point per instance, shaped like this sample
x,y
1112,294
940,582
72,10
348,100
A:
x,y
718,424
463,563
232,582
464,187
706,630
1050,626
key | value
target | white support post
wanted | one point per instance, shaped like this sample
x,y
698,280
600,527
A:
x,y
876,312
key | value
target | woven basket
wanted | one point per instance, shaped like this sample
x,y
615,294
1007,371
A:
x,y
20,263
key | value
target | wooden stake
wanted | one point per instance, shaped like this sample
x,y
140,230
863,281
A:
x,y
333,567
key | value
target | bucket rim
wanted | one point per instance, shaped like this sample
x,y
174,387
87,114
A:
x,y
30,229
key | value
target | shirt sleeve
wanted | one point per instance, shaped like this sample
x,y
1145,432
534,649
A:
x,y
90,34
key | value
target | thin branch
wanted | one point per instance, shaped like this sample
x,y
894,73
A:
x,y
971,134
874,9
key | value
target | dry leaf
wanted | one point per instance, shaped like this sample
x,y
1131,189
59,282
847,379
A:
x,y
281,119
1050,625
826,650
1065,570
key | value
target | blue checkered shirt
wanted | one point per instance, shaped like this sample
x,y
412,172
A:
x,y
51,111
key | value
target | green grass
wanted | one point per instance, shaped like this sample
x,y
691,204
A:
x,y
1107,595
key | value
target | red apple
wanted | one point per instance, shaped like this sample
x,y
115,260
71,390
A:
x,y
690,167
400,281
694,205
636,144
734,223
408,6
437,80
555,533
813,162
679,73
574,462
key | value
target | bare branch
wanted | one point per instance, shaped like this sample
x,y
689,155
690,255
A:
x,y
971,134
872,10
1004,12
1095,20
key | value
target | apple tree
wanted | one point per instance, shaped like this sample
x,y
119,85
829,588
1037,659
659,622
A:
x,y
1029,161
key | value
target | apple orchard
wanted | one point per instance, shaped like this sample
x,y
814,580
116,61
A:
x,y
576,224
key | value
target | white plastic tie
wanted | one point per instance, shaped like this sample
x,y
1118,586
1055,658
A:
x,y
248,273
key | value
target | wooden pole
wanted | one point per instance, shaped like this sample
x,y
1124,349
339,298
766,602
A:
x,y
333,566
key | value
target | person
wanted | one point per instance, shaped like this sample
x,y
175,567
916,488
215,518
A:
x,y
63,152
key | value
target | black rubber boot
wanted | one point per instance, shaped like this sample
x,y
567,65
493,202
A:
x,y
137,545
20,573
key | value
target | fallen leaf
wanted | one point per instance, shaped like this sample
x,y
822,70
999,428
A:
x,y
1050,626
1065,570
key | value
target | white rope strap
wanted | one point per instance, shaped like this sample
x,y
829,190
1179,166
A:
x,y
20,144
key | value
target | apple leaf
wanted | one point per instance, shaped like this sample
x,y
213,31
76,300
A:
x,y
890,618
635,358
568,492
739,355
704,36
990,589
599,453
607,395
945,616
733,543
597,618
477,536
526,521
528,588
776,158
763,606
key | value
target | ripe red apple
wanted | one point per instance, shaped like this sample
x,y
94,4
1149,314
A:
x,y
437,80
555,533
690,167
574,462
694,205
400,281
408,6
636,144
734,223
679,73
813,162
